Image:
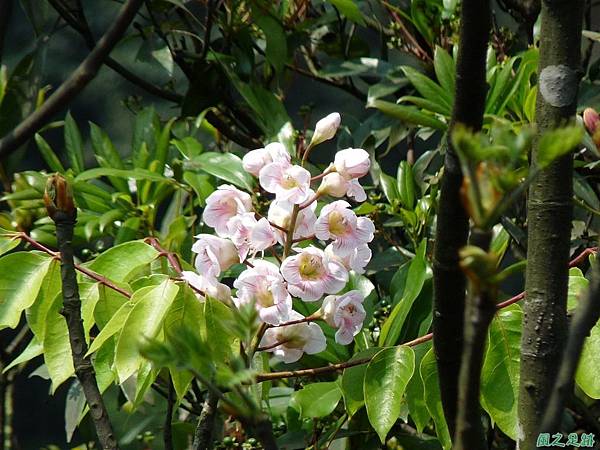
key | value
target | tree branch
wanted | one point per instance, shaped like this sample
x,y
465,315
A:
x,y
71,87
59,203
480,310
549,218
203,435
452,223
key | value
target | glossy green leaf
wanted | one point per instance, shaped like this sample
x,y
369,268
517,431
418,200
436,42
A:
x,y
48,154
433,400
120,263
417,274
136,174
143,322
408,114
444,69
21,276
7,244
225,166
389,187
415,391
352,382
74,144
75,404
385,380
500,373
218,320
406,185
317,399
429,89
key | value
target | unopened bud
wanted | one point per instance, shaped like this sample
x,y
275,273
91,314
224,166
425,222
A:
x,y
477,264
326,128
591,119
333,184
58,197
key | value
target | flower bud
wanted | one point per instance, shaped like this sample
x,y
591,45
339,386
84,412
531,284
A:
x,y
327,310
333,184
58,197
591,119
326,128
352,163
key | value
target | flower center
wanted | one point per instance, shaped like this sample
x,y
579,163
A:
x,y
311,267
337,223
292,338
264,297
289,182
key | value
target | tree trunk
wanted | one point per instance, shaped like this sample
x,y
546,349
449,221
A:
x,y
549,218
452,221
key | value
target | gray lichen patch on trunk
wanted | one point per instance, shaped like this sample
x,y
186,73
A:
x,y
558,85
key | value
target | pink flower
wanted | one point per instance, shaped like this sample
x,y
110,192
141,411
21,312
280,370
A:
x,y
250,235
356,191
326,128
210,286
264,287
311,273
333,184
255,160
214,255
290,342
226,202
337,221
280,213
356,259
352,163
287,182
346,313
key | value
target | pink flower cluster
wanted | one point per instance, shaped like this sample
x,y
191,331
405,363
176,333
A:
x,y
338,244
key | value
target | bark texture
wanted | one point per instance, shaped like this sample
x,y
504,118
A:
x,y
65,223
452,221
203,436
549,218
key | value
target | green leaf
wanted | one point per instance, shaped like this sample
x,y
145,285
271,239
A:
x,y
500,373
352,382
109,302
389,187
185,312
317,399
417,274
37,313
75,404
587,371
433,400
7,243
415,391
444,69
143,141
129,230
74,144
350,10
136,174
21,276
57,349
143,322
33,349
407,114
225,166
107,155
577,286
120,263
201,185
48,154
218,320
386,378
276,51
406,185
429,89
556,143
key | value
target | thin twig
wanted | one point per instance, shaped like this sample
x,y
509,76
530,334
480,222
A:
x,y
67,91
